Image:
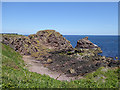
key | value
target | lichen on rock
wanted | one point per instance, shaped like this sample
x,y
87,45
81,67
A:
x,y
56,52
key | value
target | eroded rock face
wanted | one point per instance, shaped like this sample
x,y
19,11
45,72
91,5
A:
x,y
17,42
84,47
87,47
52,40
38,45
85,44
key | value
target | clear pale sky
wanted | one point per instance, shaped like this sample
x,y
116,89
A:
x,y
68,18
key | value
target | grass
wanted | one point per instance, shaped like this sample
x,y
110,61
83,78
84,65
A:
x,y
16,75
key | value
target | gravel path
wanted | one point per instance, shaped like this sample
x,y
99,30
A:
x,y
35,66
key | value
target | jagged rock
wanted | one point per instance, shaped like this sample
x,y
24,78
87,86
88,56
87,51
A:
x,y
38,44
56,53
87,47
114,63
52,40
85,44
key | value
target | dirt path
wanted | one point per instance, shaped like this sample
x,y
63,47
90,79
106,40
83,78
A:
x,y
36,66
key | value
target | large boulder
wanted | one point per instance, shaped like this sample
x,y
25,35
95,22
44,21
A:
x,y
85,44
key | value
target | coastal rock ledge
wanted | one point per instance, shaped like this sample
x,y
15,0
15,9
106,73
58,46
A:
x,y
56,53
37,44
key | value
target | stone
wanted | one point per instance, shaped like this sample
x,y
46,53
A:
x,y
49,61
72,71
85,44
87,47
52,40
56,53
43,42
114,63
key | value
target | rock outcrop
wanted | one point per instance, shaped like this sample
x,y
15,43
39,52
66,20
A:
x,y
56,53
52,40
39,44
87,48
85,44
18,43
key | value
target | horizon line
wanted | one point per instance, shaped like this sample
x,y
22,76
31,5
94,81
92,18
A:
x,y
60,33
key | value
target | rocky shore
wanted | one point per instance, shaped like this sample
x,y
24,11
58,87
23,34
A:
x,y
56,53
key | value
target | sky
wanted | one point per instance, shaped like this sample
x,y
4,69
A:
x,y
68,18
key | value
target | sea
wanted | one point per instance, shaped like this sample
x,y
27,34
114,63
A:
x,y
108,43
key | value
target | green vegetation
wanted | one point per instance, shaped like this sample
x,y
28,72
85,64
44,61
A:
x,y
15,75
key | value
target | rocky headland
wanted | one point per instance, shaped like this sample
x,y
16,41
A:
x,y
57,54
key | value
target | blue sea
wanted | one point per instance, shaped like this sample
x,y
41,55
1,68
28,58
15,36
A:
x,y
108,44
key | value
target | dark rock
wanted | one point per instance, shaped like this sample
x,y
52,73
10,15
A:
x,y
56,53
114,63
53,40
85,44
38,44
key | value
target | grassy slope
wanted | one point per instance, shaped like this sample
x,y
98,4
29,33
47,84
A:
x,y
14,74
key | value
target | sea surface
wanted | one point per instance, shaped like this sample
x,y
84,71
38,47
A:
x,y
108,43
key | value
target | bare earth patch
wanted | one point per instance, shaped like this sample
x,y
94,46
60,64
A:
x,y
36,66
